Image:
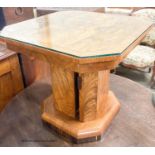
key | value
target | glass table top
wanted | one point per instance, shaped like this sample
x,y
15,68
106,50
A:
x,y
79,33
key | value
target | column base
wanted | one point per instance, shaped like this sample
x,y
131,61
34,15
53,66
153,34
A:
x,y
76,130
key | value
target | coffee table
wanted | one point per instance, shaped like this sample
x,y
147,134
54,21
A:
x,y
81,48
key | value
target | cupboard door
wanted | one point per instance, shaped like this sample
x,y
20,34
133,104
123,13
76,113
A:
x,y
6,89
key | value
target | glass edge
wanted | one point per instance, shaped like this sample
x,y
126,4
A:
x,y
50,49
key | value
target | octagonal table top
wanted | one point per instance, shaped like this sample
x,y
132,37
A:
x,y
79,34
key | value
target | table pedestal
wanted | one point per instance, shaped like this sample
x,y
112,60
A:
x,y
81,104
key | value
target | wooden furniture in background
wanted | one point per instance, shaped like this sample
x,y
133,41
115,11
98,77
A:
x,y
81,50
17,14
46,10
10,75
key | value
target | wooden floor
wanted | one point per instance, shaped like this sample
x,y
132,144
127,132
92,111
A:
x,y
20,123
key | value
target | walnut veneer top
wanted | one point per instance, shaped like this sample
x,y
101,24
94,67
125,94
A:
x,y
79,33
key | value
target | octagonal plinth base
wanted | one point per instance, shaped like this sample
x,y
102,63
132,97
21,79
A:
x,y
79,131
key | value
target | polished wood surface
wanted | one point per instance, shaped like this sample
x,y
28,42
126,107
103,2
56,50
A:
x,y
81,105
70,32
63,90
93,95
77,129
10,76
88,96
